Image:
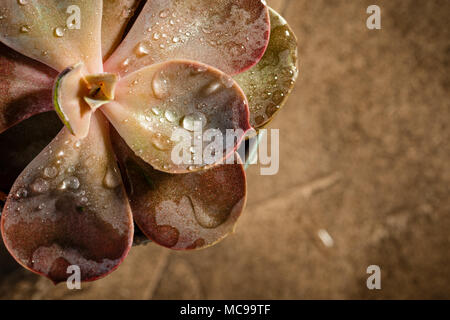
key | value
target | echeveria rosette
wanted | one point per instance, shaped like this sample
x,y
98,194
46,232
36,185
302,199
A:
x,y
75,203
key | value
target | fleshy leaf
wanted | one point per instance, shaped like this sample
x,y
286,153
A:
x,y
25,87
68,99
116,15
69,207
58,33
269,83
156,102
21,143
230,35
185,211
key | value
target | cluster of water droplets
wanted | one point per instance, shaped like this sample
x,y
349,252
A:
x,y
58,31
237,37
59,176
182,95
278,71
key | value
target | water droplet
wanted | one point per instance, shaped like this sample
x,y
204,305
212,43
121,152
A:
x,y
211,88
21,193
175,39
161,142
40,185
58,32
164,13
78,144
199,69
227,81
22,2
160,86
189,121
50,172
25,29
170,116
156,111
112,178
41,206
156,36
71,183
142,50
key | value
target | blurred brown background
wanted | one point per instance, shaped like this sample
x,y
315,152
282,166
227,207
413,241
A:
x,y
364,158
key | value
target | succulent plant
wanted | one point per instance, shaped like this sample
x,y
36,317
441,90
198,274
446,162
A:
x,y
120,93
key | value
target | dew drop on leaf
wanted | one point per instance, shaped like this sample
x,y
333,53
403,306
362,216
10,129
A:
x,y
170,116
58,32
21,193
40,185
142,50
156,111
70,183
211,88
50,172
161,142
160,86
190,120
25,29
111,179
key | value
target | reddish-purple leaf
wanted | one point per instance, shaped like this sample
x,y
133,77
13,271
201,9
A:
x,y
25,87
69,207
230,35
21,143
183,211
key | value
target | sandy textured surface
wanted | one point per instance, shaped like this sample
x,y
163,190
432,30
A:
x,y
364,156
